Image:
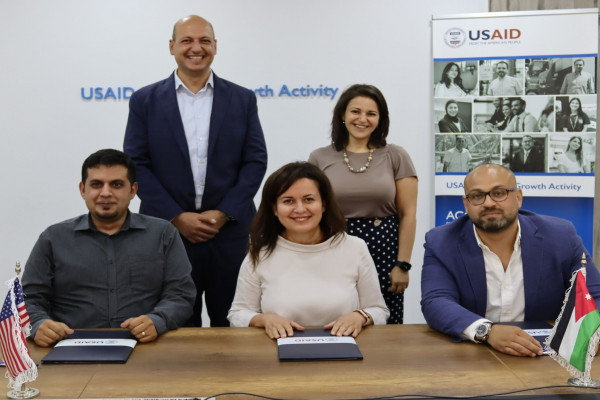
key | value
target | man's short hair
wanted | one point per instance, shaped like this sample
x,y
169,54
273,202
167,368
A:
x,y
579,59
520,100
502,62
108,157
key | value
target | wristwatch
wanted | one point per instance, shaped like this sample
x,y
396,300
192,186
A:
x,y
482,332
403,265
228,218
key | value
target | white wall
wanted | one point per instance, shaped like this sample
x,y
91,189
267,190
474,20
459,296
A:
x,y
51,49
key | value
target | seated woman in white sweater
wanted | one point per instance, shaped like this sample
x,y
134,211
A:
x,y
302,269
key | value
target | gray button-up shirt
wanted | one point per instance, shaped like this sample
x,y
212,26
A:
x,y
88,279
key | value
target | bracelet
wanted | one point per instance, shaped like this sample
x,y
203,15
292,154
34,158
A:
x,y
365,315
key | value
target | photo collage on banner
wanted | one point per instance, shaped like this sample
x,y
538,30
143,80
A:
x,y
528,114
518,89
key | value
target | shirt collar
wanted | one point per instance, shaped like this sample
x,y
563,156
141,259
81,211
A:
x,y
210,83
517,239
133,221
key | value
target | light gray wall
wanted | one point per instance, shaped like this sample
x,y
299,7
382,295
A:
x,y
52,49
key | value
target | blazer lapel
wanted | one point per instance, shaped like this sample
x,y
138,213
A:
x,y
221,100
532,255
474,266
167,99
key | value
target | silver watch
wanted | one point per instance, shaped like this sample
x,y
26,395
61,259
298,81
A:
x,y
482,332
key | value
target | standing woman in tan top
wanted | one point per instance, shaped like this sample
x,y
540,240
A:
x,y
375,184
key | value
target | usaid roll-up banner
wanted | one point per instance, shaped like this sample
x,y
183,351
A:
x,y
518,89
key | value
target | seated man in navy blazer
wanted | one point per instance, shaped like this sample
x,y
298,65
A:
x,y
499,264
200,153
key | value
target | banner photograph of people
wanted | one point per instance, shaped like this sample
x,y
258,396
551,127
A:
x,y
530,114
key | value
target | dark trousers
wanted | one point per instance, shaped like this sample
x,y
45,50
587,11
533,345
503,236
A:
x,y
215,267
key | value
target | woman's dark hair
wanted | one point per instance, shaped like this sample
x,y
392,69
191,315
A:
x,y
446,81
579,151
580,112
266,227
339,133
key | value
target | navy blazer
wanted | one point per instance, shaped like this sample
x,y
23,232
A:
x,y
534,163
237,155
453,282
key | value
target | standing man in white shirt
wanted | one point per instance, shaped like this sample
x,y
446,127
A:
x,y
504,84
457,158
200,153
578,81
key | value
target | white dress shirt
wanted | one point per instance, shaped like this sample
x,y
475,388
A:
x,y
195,110
505,289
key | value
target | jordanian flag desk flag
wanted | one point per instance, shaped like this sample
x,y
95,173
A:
x,y
575,335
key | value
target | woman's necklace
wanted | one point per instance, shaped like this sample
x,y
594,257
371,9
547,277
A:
x,y
573,120
361,169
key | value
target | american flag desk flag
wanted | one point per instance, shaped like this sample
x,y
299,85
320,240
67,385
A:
x,y
575,335
14,328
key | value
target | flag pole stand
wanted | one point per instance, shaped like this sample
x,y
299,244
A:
x,y
586,383
23,393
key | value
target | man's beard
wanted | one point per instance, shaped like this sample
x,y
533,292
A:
x,y
494,225
109,217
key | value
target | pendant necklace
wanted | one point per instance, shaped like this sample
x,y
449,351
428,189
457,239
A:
x,y
361,169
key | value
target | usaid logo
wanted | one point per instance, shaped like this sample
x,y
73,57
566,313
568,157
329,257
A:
x,y
496,34
104,93
455,37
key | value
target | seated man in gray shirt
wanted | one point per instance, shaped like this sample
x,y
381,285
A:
x,y
109,268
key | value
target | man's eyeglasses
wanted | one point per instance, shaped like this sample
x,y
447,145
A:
x,y
498,195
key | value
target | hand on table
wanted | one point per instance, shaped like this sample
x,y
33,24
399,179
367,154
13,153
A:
x,y
347,325
50,332
275,326
514,341
141,327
